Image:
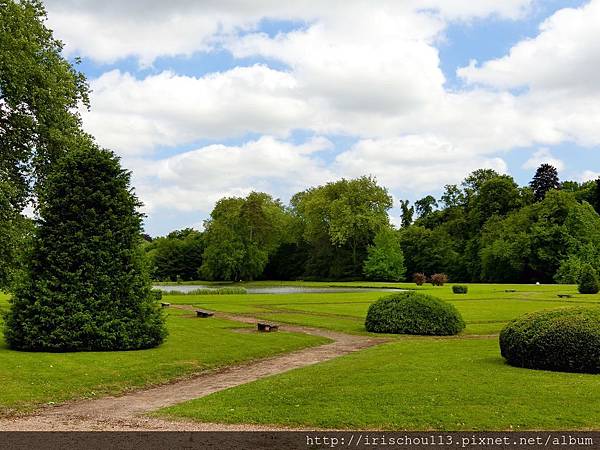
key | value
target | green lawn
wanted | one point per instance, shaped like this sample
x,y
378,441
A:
x,y
194,345
486,308
423,384
410,383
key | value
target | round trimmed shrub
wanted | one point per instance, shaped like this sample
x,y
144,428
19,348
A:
x,y
566,340
588,280
460,289
413,313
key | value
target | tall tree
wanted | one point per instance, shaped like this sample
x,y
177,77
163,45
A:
x,y
452,197
241,235
40,93
407,213
177,256
345,215
496,196
596,195
86,287
8,231
385,260
425,206
472,183
544,180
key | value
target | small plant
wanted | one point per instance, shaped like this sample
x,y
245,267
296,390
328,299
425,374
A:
x,y
413,313
439,279
565,339
588,280
419,278
460,289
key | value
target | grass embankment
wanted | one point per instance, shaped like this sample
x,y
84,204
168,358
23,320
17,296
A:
x,y
194,345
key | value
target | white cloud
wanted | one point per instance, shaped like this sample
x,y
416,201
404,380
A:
x,y
146,29
564,55
352,67
468,9
589,175
413,163
134,116
558,70
196,179
543,156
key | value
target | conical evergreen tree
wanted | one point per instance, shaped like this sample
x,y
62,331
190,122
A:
x,y
544,180
87,286
588,280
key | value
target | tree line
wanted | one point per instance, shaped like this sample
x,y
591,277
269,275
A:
x,y
486,229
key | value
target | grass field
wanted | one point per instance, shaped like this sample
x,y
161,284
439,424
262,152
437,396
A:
x,y
421,384
194,345
459,383
486,308
409,383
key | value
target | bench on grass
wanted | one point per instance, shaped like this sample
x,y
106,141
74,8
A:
x,y
267,327
204,313
165,304
565,295
510,290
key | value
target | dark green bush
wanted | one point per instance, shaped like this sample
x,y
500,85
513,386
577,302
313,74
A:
x,y
588,280
86,286
413,313
460,289
566,339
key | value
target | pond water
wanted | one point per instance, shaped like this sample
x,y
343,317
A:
x,y
277,289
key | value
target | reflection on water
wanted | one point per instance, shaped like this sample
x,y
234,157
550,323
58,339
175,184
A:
x,y
277,289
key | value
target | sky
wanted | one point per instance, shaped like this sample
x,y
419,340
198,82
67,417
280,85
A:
x,y
210,98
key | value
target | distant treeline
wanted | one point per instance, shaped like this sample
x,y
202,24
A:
x,y
487,229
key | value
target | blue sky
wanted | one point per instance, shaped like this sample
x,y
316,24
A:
x,y
204,100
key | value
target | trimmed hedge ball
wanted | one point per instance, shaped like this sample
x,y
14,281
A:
x,y
413,313
460,289
566,340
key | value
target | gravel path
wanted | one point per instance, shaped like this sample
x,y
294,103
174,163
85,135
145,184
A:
x,y
126,412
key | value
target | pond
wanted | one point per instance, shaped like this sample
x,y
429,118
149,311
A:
x,y
277,289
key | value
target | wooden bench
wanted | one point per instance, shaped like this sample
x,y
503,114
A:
x,y
565,295
510,290
204,313
165,304
267,327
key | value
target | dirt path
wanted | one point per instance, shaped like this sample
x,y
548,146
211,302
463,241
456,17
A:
x,y
126,412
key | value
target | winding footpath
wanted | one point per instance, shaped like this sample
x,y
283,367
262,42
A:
x,y
127,412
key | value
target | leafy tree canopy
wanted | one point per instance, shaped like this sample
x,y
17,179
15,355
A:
x,y
385,260
39,96
240,235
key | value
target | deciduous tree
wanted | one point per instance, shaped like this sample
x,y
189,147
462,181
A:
x,y
385,260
